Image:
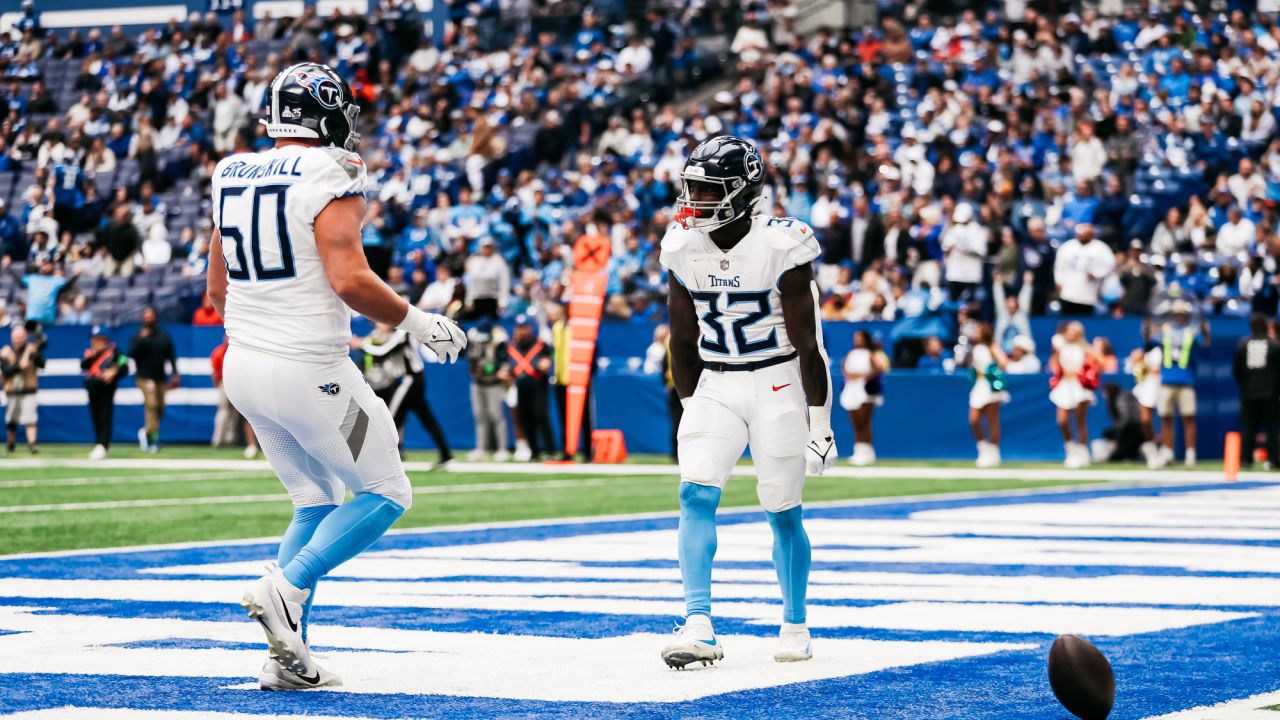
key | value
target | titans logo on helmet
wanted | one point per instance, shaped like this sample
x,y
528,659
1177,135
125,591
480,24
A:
x,y
323,89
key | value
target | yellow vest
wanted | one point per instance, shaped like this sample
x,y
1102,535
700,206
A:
x,y
560,351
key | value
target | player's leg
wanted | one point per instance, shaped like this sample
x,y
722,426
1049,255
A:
x,y
256,386
777,432
711,439
315,494
353,435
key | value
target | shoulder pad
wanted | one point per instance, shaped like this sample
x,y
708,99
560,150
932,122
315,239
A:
x,y
789,233
793,239
677,239
350,162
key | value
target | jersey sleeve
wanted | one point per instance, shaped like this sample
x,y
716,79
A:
x,y
330,174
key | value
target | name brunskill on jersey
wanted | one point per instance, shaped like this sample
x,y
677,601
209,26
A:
x,y
242,169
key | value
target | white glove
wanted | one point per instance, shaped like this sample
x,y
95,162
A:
x,y
820,451
437,332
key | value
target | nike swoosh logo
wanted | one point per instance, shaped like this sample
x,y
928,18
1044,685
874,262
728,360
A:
x,y
776,388
292,625
355,162
712,641
313,679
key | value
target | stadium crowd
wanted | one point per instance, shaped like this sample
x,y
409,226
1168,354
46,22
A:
x,y
982,165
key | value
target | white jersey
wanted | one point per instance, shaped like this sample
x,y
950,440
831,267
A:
x,y
735,293
279,300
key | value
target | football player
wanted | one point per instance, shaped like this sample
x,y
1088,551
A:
x,y
285,265
749,366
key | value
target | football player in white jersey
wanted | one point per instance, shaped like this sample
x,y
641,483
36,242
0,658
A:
x,y
285,265
749,365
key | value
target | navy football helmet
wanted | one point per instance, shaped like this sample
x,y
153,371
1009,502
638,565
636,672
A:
x,y
309,100
721,182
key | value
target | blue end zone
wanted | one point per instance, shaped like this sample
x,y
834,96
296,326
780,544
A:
x,y
1157,672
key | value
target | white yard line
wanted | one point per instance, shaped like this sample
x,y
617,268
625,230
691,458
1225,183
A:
x,y
1100,472
272,497
126,479
1247,709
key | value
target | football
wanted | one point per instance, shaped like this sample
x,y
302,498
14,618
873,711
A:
x,y
1081,678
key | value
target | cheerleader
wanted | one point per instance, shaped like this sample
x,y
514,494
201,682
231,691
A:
x,y
1074,377
1145,368
862,366
988,393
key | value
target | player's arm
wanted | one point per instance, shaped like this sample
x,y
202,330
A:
x,y
337,231
685,364
799,314
217,275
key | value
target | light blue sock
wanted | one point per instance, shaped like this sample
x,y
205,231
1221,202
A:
x,y
791,557
697,544
304,524
341,536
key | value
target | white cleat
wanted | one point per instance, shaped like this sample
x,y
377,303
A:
x,y
99,452
277,606
275,677
502,455
695,641
477,456
144,443
251,452
794,644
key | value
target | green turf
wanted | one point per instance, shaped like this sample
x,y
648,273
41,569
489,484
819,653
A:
x,y
64,529
204,452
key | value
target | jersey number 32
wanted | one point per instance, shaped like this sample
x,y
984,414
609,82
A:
x,y
715,339
268,233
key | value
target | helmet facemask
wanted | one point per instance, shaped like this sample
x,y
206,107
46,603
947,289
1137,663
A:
x,y
352,141
705,203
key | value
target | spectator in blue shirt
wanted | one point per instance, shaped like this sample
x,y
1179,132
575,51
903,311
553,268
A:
x,y
1176,81
588,35
936,358
43,288
1081,207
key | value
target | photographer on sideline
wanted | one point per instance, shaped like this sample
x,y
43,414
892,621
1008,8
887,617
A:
x,y
20,364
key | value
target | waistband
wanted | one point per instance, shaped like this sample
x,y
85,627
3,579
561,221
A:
x,y
748,366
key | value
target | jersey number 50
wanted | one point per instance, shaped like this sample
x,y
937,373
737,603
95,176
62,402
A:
x,y
711,320
281,249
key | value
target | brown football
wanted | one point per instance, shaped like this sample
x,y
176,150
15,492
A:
x,y
1081,678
